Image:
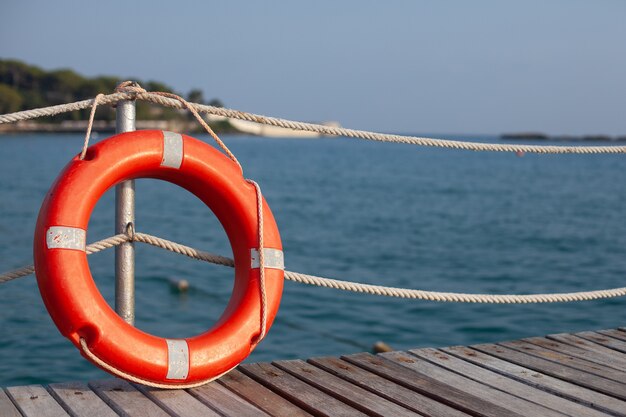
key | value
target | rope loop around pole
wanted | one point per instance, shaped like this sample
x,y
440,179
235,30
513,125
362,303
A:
x,y
131,87
130,231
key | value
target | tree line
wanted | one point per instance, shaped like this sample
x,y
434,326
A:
x,y
25,87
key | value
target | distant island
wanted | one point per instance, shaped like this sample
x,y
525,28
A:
x,y
25,87
563,138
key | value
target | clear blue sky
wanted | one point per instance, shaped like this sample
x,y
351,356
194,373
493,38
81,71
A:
x,y
557,66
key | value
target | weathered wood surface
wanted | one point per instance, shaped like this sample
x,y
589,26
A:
x,y
509,385
557,370
7,408
353,395
225,402
582,374
595,356
261,396
605,340
542,381
126,399
79,399
178,402
568,360
385,388
35,401
302,394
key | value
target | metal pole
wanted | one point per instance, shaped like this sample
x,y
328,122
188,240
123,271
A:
x,y
125,215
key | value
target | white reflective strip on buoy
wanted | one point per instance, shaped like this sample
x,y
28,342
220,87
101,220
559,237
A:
x,y
172,150
64,237
177,359
273,258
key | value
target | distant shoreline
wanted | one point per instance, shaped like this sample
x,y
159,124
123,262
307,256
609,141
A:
x,y
177,125
108,126
219,125
534,136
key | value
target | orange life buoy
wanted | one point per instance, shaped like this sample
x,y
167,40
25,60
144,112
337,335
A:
x,y
72,298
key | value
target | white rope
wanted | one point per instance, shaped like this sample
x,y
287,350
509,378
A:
x,y
62,108
451,296
92,114
92,248
310,127
135,89
182,249
132,378
344,285
17,273
259,207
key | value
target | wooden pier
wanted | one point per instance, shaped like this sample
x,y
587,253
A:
x,y
582,374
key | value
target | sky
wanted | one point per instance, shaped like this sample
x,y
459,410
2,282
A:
x,y
464,67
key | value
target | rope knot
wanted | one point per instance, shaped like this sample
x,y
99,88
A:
x,y
132,87
130,231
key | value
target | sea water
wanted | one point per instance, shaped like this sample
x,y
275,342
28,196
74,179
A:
x,y
388,214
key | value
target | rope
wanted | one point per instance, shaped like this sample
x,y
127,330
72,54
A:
x,y
204,124
452,296
63,108
345,285
92,248
17,273
165,99
183,250
90,126
129,377
259,206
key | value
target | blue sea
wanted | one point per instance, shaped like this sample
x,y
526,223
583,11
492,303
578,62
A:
x,y
388,214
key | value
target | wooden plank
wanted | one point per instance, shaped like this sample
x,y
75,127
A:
x,y
224,401
176,402
567,360
504,383
617,334
355,396
583,343
255,393
429,386
556,370
79,400
603,340
35,401
7,408
583,374
470,386
311,399
125,399
542,381
614,360
385,388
